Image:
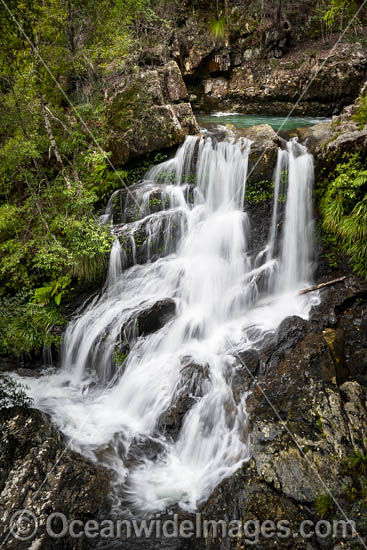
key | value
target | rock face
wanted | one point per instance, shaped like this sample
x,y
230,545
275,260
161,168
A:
x,y
326,80
329,140
148,112
39,474
307,414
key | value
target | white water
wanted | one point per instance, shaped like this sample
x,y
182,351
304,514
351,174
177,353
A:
x,y
200,236
281,167
297,245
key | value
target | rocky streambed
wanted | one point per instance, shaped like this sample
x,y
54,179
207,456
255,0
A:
x,y
307,415
307,412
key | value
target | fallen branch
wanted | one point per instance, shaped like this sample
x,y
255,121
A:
x,y
322,285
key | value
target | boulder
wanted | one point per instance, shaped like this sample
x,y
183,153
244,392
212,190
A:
x,y
216,87
263,153
156,316
41,475
173,87
330,140
314,136
192,386
148,112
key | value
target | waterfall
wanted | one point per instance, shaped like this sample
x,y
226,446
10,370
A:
x,y
116,264
296,255
281,167
181,247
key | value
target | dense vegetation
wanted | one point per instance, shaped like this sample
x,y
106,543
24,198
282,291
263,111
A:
x,y
56,60
54,171
344,207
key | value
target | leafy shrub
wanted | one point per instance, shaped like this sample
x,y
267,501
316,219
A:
x,y
259,191
26,326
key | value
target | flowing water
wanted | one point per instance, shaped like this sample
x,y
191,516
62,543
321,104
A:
x,y
182,238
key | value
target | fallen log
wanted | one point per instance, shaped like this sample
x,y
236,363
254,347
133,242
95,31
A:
x,y
322,285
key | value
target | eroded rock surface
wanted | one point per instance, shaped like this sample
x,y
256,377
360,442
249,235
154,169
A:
x,y
308,414
148,111
306,81
40,474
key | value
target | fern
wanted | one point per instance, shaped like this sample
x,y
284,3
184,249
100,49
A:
x,y
344,207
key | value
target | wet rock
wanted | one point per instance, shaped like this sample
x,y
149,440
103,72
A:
x,y
259,215
289,333
40,474
143,113
192,385
305,420
263,153
245,372
155,317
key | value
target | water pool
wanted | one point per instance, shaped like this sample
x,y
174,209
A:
x,y
245,121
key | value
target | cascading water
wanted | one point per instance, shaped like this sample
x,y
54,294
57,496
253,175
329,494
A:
x,y
118,381
280,169
296,258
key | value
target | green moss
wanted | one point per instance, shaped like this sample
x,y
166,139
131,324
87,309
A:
x,y
325,506
356,464
361,114
119,357
127,106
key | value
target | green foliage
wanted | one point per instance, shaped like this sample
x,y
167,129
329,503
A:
x,y
333,16
26,326
119,357
55,174
325,506
12,394
51,292
356,464
218,27
344,207
259,191
361,114
337,14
